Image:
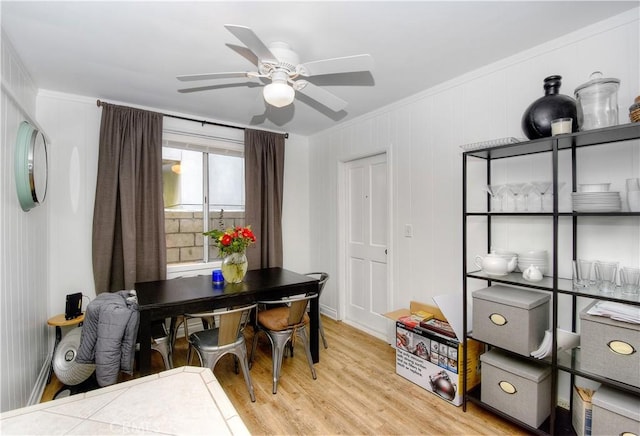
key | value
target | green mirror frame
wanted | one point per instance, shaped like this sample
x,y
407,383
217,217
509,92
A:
x,y
31,166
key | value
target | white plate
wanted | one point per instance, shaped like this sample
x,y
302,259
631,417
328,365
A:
x,y
603,209
591,195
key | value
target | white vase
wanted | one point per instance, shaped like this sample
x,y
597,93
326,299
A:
x,y
234,267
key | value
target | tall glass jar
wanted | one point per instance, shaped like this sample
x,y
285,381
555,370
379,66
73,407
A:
x,y
597,102
234,267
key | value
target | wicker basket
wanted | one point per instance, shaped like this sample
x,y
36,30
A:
x,y
634,111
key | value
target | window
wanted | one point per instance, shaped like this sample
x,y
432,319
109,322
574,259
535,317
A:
x,y
203,188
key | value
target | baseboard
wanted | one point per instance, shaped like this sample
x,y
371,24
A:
x,y
324,310
366,330
41,382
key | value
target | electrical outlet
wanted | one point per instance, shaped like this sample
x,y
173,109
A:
x,y
408,231
563,403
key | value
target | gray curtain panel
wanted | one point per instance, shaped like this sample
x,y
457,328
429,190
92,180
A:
x,y
128,216
264,181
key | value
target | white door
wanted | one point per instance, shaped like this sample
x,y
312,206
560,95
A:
x,y
366,229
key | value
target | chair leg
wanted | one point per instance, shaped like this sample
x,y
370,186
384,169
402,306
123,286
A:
x,y
242,357
278,345
189,351
254,345
324,340
176,321
302,333
161,345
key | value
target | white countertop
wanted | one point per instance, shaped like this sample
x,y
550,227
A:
x,y
186,400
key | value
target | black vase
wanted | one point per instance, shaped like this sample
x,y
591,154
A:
x,y
536,121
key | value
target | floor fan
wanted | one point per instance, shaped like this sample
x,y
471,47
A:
x,y
77,377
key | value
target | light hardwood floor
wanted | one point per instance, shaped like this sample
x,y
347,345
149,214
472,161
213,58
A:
x,y
357,392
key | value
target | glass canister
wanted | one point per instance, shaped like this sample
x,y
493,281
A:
x,y
597,102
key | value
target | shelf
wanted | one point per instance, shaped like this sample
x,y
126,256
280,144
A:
x,y
515,278
563,416
580,139
570,362
565,286
617,296
513,213
546,361
550,214
567,363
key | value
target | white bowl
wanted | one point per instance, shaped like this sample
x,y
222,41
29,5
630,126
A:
x,y
594,187
533,254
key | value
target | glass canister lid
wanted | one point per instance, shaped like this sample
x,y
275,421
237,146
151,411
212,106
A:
x,y
598,83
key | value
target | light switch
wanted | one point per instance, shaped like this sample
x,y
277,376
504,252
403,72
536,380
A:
x,y
408,231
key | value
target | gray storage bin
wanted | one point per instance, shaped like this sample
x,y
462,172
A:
x,y
610,348
511,318
614,413
515,386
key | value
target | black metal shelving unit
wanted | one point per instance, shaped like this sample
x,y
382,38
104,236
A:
x,y
559,421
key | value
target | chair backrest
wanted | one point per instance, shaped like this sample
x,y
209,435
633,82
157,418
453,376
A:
x,y
322,280
231,322
297,306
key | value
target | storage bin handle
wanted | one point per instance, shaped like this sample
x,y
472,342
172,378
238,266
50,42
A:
x,y
621,347
507,387
498,319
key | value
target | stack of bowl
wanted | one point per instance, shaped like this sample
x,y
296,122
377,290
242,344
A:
x,y
537,258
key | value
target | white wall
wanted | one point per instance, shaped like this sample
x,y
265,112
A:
x,y
24,275
422,135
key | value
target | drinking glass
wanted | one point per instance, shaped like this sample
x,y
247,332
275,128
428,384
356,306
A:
x,y
496,192
633,184
526,190
515,189
630,280
582,274
606,276
541,188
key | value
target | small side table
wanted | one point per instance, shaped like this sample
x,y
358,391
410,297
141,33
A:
x,y
58,322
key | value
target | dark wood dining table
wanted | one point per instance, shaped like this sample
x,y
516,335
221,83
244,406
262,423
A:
x,y
161,299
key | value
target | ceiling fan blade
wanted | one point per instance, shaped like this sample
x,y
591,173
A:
x,y
322,96
222,86
347,64
207,76
245,53
252,41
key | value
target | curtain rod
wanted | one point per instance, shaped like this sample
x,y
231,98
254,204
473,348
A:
x,y
203,122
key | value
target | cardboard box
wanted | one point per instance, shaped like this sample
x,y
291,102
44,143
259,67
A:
x,y
431,360
581,415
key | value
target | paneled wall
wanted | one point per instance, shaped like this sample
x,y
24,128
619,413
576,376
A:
x,y
24,237
422,135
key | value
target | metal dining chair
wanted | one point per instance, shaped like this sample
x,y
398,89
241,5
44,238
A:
x,y
161,342
322,280
282,324
224,336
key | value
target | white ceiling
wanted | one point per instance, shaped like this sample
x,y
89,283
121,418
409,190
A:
x,y
132,51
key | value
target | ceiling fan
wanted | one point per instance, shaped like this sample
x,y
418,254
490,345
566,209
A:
x,y
279,66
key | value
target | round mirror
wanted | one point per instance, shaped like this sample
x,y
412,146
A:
x,y
31,166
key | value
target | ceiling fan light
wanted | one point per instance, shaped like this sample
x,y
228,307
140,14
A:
x,y
279,94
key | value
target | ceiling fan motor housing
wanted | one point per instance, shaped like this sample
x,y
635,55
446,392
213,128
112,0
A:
x,y
287,58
